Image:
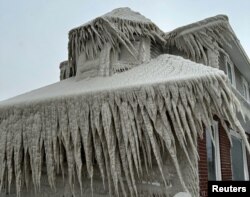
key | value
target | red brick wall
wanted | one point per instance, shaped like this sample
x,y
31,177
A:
x,y
225,156
203,176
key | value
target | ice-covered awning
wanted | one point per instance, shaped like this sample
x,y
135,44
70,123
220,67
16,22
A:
x,y
119,127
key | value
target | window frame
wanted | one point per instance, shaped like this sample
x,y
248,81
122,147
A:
x,y
228,62
244,82
136,42
245,166
216,145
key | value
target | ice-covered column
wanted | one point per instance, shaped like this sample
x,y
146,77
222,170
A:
x,y
104,68
64,70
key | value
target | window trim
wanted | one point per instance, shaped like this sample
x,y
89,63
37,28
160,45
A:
x,y
245,166
244,82
230,63
216,145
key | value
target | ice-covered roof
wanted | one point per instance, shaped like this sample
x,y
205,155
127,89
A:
x,y
127,14
196,26
196,38
164,69
124,13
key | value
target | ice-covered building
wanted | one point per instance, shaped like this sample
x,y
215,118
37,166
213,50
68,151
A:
x,y
130,116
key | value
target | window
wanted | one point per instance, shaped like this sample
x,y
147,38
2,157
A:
x,y
245,91
125,56
239,161
230,71
213,152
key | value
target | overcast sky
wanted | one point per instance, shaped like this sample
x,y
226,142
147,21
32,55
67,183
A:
x,y
34,33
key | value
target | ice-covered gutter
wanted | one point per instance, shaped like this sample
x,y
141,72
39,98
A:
x,y
119,127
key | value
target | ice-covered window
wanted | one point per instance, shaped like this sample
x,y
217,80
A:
x,y
213,152
245,91
239,161
230,70
87,66
126,56
229,73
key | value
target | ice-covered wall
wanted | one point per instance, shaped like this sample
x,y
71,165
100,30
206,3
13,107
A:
x,y
109,61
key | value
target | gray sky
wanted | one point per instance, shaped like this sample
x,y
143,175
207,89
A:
x,y
34,33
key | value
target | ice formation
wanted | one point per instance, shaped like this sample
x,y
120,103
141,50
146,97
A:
x,y
136,130
182,194
118,27
196,39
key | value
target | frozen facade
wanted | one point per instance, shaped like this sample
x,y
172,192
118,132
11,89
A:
x,y
130,114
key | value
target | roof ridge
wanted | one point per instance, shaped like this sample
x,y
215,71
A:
x,y
198,25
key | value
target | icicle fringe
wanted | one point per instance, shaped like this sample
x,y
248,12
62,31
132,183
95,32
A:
x,y
118,134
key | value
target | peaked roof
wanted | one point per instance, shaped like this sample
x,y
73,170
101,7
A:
x,y
124,13
127,14
208,34
119,26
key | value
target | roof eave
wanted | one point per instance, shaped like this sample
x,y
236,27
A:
x,y
239,55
